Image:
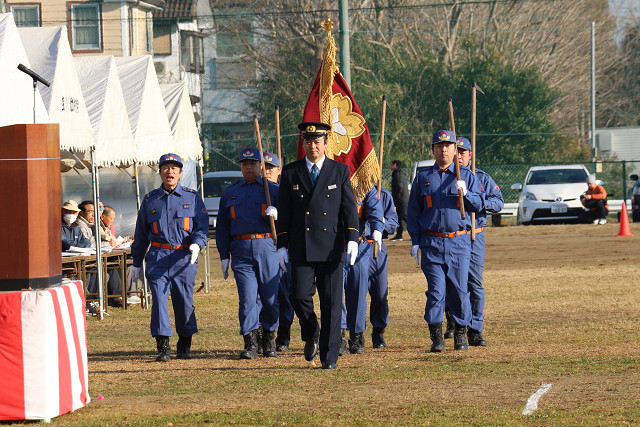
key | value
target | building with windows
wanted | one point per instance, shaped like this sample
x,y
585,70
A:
x,y
120,28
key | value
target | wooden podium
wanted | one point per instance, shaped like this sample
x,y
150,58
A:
x,y
30,235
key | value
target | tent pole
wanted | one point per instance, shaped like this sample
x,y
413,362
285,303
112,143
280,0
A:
x,y
96,224
206,248
144,277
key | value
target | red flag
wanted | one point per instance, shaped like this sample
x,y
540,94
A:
x,y
331,102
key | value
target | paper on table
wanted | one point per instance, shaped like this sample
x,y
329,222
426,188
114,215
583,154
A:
x,y
83,251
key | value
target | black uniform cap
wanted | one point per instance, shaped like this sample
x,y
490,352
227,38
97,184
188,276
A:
x,y
310,130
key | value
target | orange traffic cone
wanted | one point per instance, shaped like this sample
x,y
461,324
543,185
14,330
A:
x,y
625,231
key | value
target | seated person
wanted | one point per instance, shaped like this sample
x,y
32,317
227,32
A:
x,y
595,201
85,221
107,219
71,234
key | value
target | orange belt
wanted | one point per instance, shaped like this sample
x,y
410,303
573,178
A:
x,y
252,236
454,234
167,246
477,230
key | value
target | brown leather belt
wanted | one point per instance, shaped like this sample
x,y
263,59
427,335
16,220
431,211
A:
x,y
167,246
454,234
252,236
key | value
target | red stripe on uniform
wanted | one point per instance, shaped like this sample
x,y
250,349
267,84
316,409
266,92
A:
x,y
428,199
64,364
11,357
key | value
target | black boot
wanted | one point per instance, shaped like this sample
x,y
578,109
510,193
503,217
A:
x,y
183,348
356,342
164,350
269,343
250,345
475,338
460,338
283,339
377,338
343,344
259,338
450,324
435,332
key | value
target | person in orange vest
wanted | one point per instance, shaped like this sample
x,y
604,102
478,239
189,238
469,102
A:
x,y
595,201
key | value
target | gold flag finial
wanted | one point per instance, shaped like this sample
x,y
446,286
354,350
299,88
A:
x,y
327,24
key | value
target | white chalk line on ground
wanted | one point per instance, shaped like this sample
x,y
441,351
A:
x,y
532,402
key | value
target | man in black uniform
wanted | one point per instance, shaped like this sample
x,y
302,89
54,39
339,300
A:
x,y
400,194
318,215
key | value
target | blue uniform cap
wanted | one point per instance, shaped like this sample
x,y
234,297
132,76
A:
x,y
250,154
443,137
271,159
170,158
463,143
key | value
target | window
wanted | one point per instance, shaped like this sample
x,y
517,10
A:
x,y
192,51
85,26
234,66
132,32
149,28
26,15
161,38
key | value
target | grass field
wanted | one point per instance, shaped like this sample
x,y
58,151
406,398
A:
x,y
562,309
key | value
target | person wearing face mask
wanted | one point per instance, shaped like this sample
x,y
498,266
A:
x,y
71,234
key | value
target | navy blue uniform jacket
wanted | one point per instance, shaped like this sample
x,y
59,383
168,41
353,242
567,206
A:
x,y
315,222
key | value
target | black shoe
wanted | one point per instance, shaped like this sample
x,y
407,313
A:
x,y
356,342
435,333
475,338
283,339
343,344
250,345
329,365
396,238
164,350
377,338
183,348
269,344
448,333
259,338
460,338
311,349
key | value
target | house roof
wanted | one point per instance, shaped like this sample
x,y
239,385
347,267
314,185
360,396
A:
x,y
175,9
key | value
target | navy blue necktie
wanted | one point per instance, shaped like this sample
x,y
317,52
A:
x,y
314,174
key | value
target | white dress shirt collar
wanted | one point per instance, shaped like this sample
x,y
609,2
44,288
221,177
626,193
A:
x,y
319,163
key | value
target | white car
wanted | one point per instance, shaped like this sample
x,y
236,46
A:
x,y
552,194
214,184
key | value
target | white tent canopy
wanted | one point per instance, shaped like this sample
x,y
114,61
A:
x,y
16,92
182,120
145,106
107,111
50,56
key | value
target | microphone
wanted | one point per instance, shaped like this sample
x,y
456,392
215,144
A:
x,y
33,75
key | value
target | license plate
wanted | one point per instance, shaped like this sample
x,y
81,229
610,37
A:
x,y
559,208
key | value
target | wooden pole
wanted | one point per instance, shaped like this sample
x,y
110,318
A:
x,y
455,158
265,181
473,152
279,147
381,151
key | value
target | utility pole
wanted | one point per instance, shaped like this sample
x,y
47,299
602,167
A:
x,y
345,56
593,93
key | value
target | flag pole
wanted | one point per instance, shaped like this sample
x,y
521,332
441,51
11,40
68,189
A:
x,y
278,145
455,158
265,181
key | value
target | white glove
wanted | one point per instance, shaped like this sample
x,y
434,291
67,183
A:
x,y
377,238
195,250
272,211
462,184
283,258
352,251
225,268
414,253
135,273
